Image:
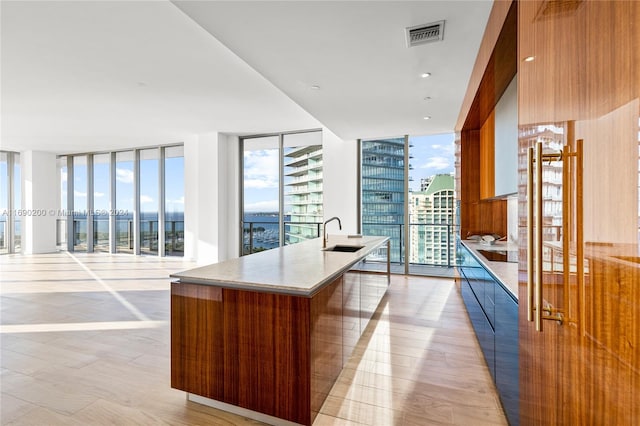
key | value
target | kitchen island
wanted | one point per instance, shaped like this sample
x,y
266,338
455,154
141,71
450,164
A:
x,y
266,335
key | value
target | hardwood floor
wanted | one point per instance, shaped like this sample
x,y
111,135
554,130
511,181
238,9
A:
x,y
85,341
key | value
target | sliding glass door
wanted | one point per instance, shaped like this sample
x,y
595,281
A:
x,y
281,189
261,196
101,192
383,191
414,207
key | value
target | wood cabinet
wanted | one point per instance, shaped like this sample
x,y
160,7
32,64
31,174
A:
x,y
480,212
271,353
582,82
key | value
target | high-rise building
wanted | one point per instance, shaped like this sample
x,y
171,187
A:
x,y
303,179
383,191
431,212
425,182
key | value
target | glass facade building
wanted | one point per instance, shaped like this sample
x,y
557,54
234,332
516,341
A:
x,y
383,182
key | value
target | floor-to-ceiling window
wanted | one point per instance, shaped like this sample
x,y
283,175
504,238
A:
x,y
383,191
431,204
101,203
124,201
174,200
302,180
80,203
10,203
4,203
261,195
61,219
407,194
281,189
17,203
121,201
149,196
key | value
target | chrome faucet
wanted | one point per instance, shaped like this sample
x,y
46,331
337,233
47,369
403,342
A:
x,y
324,239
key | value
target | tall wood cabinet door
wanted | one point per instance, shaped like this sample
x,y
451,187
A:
x,y
580,85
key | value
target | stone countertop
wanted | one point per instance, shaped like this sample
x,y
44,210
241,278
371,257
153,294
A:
x,y
505,272
300,269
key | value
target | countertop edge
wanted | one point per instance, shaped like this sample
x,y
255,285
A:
x,y
486,264
272,288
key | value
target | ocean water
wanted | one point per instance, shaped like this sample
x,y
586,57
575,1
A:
x,y
266,230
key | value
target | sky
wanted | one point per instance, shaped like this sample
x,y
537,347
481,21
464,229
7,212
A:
x,y
431,155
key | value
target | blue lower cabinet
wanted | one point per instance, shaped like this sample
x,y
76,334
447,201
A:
x,y
493,312
506,354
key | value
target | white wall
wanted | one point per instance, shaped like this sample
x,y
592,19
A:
x,y
211,230
506,141
40,195
340,181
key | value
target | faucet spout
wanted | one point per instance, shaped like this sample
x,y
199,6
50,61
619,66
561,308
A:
x,y
324,239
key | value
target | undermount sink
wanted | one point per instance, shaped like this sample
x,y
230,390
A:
x,y
344,248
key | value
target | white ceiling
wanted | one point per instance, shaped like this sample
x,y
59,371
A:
x,y
84,76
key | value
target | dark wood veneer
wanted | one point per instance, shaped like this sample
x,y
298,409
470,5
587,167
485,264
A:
x,y
271,353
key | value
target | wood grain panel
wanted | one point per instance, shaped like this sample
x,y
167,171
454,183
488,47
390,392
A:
x,y
326,342
493,217
196,333
497,75
267,358
476,163
350,313
272,353
469,182
586,71
612,341
493,31
487,157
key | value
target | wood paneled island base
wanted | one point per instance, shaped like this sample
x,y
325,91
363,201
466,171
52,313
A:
x,y
272,353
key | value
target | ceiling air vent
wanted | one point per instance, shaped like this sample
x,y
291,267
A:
x,y
426,33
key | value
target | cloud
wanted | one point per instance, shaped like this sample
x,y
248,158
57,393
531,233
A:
x,y
438,163
63,175
98,194
447,149
178,201
261,169
145,199
124,175
259,183
80,194
262,206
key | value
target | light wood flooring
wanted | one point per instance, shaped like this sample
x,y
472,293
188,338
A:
x,y
85,341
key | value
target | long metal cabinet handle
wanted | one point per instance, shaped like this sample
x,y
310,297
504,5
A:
x,y
579,235
538,239
530,245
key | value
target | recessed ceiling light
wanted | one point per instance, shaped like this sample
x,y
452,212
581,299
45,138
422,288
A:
x,y
529,58
426,98
425,74
427,117
315,87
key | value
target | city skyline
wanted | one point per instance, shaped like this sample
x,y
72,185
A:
x,y
432,155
